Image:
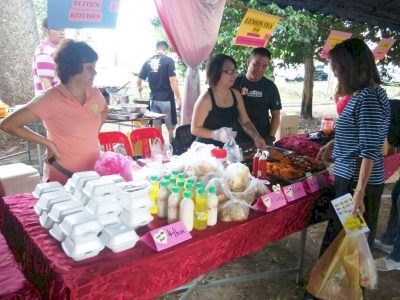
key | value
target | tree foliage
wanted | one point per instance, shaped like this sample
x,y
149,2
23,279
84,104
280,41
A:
x,y
298,37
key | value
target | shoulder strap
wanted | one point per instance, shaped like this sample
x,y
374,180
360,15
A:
x,y
234,97
212,97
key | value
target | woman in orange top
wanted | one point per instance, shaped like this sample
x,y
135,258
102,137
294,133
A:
x,y
72,113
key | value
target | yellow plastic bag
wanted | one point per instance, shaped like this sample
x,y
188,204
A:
x,y
336,275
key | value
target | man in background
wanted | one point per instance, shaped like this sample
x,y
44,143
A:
x,y
159,70
261,97
43,65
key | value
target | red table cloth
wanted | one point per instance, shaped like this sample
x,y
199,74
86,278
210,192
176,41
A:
x,y
138,273
13,284
300,144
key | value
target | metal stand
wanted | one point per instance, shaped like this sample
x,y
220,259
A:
x,y
198,282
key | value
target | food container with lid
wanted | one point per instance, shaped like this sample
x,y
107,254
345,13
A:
x,y
119,237
83,248
104,208
46,187
135,200
80,225
115,178
47,200
65,208
70,187
45,220
136,218
57,233
99,187
80,196
108,219
79,179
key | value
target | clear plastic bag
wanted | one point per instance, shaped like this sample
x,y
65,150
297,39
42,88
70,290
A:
x,y
368,272
235,153
237,176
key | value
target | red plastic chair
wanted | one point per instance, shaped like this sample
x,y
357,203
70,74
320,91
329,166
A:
x,y
109,138
145,135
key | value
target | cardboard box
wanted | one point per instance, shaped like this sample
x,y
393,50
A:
x,y
17,178
289,125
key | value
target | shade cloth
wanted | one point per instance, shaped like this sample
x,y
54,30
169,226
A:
x,y
300,144
138,273
192,28
13,284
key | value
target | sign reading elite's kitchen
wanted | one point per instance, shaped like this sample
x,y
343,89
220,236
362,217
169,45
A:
x,y
82,13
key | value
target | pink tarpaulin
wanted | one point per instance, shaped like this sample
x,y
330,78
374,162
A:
x,y
192,28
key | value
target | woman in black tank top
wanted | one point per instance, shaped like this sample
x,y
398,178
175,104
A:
x,y
221,106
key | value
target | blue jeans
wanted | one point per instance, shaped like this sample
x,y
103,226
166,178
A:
x,y
392,233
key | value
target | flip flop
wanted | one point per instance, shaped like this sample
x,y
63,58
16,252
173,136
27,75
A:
x,y
382,246
387,264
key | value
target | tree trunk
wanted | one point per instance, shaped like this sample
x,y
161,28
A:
x,y
306,102
19,37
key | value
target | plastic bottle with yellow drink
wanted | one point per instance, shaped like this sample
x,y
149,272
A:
x,y
153,193
200,210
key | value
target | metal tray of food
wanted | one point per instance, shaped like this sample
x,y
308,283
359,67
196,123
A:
x,y
124,116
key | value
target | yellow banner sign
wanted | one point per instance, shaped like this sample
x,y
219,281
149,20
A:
x,y
383,48
334,38
255,29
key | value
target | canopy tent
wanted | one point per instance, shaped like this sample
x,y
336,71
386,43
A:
x,y
380,13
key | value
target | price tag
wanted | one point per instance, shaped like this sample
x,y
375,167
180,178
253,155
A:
x,y
270,201
294,191
167,236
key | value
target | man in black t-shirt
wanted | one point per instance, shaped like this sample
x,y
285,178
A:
x,y
159,70
261,97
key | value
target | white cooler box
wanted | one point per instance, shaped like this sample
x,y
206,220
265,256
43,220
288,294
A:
x,y
17,178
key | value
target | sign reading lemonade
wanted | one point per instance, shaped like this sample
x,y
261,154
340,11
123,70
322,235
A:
x,y
383,48
255,29
334,38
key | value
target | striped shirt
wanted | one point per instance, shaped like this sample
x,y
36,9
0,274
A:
x,y
43,65
360,132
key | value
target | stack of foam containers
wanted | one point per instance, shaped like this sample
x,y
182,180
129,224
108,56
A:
x,y
136,204
103,201
85,214
48,194
81,231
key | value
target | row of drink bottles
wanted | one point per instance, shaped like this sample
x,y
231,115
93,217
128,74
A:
x,y
178,198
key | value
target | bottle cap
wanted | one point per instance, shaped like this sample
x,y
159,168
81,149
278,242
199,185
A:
x,y
167,176
182,175
175,172
201,191
175,189
187,194
211,189
199,184
219,153
189,186
164,183
180,183
153,177
172,180
190,180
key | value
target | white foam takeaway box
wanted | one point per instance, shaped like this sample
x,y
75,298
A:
x,y
114,177
79,179
138,199
57,233
136,218
99,187
289,125
119,237
17,178
80,225
104,208
45,220
83,248
62,209
47,200
46,187
109,219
